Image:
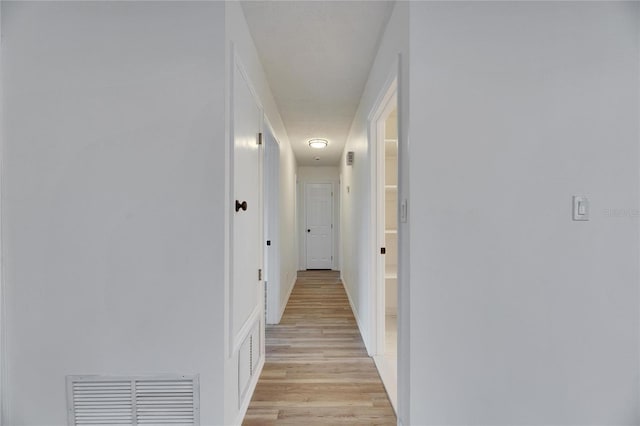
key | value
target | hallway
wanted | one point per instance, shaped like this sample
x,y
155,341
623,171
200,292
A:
x,y
317,369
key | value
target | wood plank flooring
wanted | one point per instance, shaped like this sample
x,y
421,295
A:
x,y
317,370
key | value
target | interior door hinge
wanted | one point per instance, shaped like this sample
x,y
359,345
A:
x,y
260,138
259,274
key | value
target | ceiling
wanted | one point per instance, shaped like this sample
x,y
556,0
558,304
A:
x,y
317,56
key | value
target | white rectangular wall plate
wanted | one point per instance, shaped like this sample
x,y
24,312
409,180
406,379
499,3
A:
x,y
403,211
580,208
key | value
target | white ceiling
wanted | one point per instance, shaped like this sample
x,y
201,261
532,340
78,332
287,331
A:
x,y
317,56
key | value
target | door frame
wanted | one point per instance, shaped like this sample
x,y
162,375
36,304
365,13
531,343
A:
x,y
304,217
239,402
396,78
387,101
271,229
234,339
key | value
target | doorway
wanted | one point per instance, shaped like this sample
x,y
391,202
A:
x,y
271,226
384,132
319,225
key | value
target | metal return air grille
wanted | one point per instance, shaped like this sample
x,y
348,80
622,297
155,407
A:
x,y
149,401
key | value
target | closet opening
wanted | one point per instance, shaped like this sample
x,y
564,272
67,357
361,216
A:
x,y
384,139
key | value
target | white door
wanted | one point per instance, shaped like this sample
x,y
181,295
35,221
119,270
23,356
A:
x,y
319,212
247,214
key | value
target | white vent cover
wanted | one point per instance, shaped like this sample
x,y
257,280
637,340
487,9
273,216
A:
x,y
350,156
151,401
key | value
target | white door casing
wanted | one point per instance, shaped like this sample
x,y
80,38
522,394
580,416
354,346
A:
x,y
271,225
319,225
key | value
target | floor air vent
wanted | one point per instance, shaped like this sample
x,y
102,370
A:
x,y
149,401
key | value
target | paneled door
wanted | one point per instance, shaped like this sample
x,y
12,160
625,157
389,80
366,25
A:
x,y
319,220
247,212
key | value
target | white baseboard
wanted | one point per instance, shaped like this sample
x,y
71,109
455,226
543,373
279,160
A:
x,y
283,305
355,314
389,380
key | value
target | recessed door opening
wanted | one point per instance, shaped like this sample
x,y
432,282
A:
x,y
385,142
391,243
271,226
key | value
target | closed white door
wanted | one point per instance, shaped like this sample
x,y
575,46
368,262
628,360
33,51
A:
x,y
247,213
319,212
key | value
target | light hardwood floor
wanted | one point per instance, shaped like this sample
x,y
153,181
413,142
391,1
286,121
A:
x,y
317,370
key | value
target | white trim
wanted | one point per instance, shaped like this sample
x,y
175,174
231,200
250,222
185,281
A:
x,y
271,254
4,376
242,411
388,99
247,393
283,305
381,364
375,126
355,314
403,280
229,182
340,255
245,330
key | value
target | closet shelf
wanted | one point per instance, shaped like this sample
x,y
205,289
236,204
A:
x,y
391,271
390,231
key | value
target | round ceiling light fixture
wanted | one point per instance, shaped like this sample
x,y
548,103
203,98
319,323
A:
x,y
318,143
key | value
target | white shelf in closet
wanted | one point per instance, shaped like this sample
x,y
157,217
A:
x,y
391,148
391,187
390,231
391,271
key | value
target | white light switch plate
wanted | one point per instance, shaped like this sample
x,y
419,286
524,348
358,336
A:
x,y
403,211
580,208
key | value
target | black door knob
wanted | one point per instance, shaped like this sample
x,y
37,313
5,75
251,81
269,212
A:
x,y
308,230
241,205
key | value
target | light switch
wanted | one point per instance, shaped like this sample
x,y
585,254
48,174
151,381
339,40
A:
x,y
580,208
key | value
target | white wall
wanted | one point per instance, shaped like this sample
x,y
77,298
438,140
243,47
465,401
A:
x,y
288,224
238,35
520,315
319,174
358,242
112,207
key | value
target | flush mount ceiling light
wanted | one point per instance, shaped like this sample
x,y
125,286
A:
x,y
318,143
